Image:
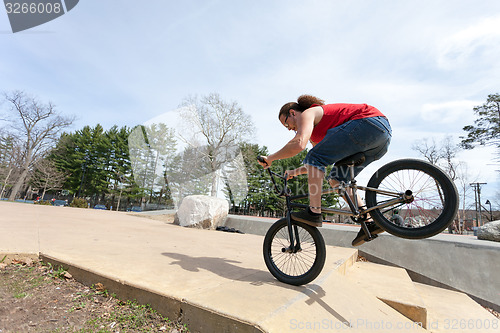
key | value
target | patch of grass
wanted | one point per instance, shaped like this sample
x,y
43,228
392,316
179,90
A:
x,y
78,306
130,316
24,281
46,292
38,281
19,288
56,273
123,316
21,295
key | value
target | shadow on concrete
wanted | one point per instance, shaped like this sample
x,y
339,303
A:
x,y
228,269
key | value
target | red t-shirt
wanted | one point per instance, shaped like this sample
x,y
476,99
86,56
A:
x,y
338,114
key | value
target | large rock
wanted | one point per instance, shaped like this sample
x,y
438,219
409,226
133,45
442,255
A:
x,y
489,231
201,211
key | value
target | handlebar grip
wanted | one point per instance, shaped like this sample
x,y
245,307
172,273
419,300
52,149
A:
x,y
285,191
261,159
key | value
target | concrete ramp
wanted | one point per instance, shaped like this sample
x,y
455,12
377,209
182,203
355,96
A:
x,y
210,280
437,309
451,311
391,285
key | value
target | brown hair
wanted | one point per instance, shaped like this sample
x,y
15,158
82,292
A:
x,y
304,102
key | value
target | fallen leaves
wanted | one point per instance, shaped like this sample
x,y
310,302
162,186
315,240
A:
x,y
99,287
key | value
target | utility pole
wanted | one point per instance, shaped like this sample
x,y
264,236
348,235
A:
x,y
477,194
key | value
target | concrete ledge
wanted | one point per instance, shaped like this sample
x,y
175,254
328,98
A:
x,y
456,262
445,307
250,224
198,319
393,286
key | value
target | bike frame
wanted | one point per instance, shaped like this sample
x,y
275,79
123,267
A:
x,y
355,213
398,198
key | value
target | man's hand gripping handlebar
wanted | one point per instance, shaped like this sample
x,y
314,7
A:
x,y
284,191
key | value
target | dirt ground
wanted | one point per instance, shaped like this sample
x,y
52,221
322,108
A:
x,y
38,298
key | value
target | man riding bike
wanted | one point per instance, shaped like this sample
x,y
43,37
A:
x,y
336,131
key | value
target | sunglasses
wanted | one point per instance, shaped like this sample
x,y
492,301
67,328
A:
x,y
286,124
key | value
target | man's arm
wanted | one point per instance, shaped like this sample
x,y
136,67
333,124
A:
x,y
305,126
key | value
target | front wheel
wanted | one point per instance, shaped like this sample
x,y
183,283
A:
x,y
294,267
433,204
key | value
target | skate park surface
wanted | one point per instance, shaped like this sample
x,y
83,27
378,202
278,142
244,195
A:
x,y
217,281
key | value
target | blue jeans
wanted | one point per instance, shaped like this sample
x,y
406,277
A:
x,y
369,135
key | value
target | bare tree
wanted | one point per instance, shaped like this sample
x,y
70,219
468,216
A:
x,y
219,126
47,177
10,159
449,152
429,150
36,126
442,155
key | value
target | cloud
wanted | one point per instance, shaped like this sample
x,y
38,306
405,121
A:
x,y
480,40
448,112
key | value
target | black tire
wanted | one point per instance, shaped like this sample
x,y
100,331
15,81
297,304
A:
x,y
294,268
435,201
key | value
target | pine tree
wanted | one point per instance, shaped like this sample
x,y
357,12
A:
x,y
486,128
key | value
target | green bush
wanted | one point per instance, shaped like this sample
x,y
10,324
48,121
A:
x,y
79,203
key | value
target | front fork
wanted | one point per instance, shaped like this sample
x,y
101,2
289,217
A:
x,y
293,232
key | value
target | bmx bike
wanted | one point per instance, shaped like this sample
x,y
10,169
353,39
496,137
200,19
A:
x,y
408,198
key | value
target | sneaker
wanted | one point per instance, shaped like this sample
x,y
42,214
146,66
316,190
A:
x,y
308,217
361,236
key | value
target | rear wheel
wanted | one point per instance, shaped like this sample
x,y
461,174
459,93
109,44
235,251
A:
x,y
298,267
432,202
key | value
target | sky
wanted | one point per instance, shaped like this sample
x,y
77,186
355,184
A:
x,y
425,64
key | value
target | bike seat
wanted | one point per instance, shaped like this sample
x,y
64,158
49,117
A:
x,y
355,160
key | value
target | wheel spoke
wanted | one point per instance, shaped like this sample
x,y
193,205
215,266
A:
x,y
293,264
430,208
427,194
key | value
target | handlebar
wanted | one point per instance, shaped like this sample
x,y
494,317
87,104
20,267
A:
x,y
284,191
